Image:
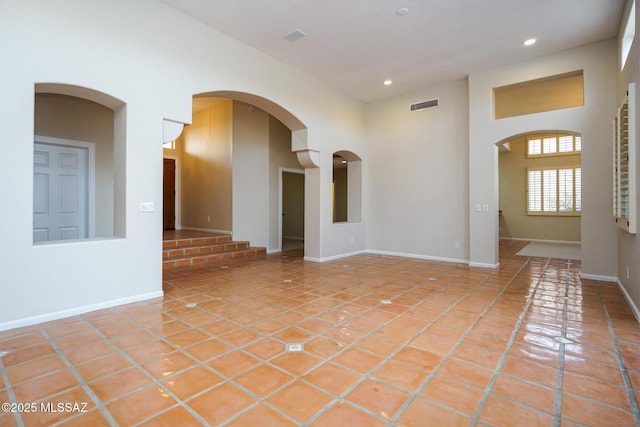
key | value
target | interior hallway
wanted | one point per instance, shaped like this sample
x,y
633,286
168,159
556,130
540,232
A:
x,y
386,341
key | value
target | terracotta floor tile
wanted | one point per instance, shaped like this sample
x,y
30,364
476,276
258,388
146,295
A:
x,y
57,409
94,418
140,405
133,339
263,380
261,416
288,401
188,383
26,354
530,371
454,395
379,345
432,343
401,375
354,344
292,335
240,337
89,351
420,410
114,386
41,387
378,397
332,378
177,416
466,373
589,412
501,412
29,370
168,365
265,349
221,403
343,414
150,351
345,335
186,338
323,347
525,392
207,349
419,358
358,360
296,362
595,389
233,363
100,367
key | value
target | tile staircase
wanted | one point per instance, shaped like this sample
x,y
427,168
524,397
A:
x,y
181,248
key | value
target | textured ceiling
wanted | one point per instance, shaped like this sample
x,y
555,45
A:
x,y
354,45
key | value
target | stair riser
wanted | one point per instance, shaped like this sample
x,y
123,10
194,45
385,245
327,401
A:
x,y
195,260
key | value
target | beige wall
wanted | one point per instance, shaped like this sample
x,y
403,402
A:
x,y
205,169
78,119
514,221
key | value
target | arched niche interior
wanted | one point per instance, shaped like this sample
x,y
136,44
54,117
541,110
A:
x,y
79,164
346,187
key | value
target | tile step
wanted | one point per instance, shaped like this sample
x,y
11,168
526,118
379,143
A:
x,y
195,242
203,250
202,259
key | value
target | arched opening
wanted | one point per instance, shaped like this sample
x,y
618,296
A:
x,y
346,187
540,193
79,164
230,163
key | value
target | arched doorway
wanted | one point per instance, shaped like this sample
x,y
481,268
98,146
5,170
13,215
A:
x,y
540,188
229,163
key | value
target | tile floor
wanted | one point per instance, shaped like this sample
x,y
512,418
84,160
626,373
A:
x,y
386,342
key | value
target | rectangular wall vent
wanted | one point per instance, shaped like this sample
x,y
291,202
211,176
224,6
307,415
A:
x,y
426,104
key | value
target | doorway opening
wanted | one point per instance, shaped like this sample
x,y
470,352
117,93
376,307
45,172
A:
x,y
292,209
169,194
540,194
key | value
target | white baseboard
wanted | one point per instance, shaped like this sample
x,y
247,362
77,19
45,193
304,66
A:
x,y
632,305
484,265
599,278
41,318
207,230
333,258
520,239
273,251
418,256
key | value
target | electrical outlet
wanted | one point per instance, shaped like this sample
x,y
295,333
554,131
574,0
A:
x,y
485,207
208,218
628,273
456,245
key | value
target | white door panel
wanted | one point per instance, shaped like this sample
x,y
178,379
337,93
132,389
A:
x,y
59,192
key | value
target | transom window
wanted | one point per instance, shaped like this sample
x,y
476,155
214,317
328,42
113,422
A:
x,y
554,191
553,145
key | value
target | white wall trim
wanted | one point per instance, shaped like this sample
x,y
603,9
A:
x,y
632,305
598,277
206,230
484,265
335,257
35,320
572,242
417,256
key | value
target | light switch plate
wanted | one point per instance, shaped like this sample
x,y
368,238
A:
x,y
146,207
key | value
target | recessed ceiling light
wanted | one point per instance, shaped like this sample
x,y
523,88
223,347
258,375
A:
x,y
529,42
402,11
387,82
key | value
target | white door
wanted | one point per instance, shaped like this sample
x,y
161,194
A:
x,y
59,192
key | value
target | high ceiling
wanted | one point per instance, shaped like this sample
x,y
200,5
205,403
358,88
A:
x,y
355,45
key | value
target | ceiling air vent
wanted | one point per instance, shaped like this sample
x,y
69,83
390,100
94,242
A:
x,y
426,104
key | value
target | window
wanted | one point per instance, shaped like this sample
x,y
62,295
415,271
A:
x,y
554,191
553,145
628,35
